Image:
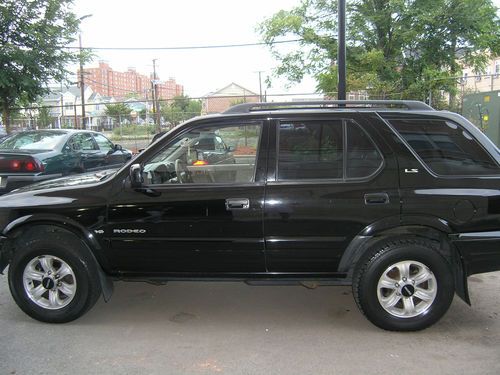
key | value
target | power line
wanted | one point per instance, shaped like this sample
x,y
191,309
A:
x,y
190,47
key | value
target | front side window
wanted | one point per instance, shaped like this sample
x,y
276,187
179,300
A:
x,y
209,154
104,143
446,147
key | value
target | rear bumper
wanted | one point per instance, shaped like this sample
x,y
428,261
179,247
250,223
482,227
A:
x,y
4,254
12,182
480,251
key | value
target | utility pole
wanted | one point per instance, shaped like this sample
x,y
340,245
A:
x,y
341,52
260,84
156,107
82,84
61,120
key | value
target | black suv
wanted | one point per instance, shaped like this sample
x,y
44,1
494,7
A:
x,y
393,197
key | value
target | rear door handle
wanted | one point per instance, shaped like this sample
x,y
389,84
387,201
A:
x,y
237,204
376,198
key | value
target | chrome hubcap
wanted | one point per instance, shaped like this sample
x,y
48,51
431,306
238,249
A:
x,y
49,282
407,289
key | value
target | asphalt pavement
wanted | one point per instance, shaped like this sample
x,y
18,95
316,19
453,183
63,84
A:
x,y
232,328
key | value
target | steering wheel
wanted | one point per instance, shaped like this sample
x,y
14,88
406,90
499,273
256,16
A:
x,y
181,171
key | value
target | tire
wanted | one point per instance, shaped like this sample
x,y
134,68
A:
x,y
52,276
403,284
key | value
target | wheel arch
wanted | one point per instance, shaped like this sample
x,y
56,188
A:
x,y
433,229
23,224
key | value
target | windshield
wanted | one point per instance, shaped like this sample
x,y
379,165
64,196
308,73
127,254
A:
x,y
40,140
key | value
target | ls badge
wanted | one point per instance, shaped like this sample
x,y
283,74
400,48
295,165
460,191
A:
x,y
411,170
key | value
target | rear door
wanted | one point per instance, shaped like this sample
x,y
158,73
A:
x,y
332,176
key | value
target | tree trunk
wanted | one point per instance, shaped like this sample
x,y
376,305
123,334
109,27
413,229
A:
x,y
453,71
6,117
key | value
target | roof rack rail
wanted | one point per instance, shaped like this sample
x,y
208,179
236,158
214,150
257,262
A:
x,y
325,104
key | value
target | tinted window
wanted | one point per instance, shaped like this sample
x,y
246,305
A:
x,y
210,154
310,150
446,147
363,158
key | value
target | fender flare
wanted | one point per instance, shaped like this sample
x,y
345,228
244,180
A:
x,y
68,224
418,225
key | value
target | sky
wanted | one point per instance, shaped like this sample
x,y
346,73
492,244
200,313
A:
x,y
167,23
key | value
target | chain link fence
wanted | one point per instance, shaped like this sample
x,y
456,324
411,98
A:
x,y
133,122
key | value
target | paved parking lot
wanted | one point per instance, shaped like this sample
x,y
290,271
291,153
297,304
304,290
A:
x,y
232,328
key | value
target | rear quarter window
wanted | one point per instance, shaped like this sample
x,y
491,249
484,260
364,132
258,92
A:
x,y
446,147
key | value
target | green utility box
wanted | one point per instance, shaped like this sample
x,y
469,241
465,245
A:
x,y
483,110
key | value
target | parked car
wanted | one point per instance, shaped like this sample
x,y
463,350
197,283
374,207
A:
x,y
392,197
38,155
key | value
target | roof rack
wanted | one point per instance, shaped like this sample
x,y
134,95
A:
x,y
326,104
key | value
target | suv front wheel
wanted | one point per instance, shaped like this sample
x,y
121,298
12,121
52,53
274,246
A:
x,y
52,276
404,284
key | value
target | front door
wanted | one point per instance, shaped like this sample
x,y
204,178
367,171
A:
x,y
200,209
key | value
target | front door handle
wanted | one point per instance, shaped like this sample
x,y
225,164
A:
x,y
376,198
237,204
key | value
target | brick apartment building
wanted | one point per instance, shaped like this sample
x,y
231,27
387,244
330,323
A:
x,y
108,82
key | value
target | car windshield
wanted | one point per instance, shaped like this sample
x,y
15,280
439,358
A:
x,y
39,140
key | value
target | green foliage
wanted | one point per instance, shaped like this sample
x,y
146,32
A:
x,y
44,117
136,131
33,34
180,109
395,48
118,110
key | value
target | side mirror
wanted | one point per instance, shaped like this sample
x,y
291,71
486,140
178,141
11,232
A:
x,y
136,179
118,147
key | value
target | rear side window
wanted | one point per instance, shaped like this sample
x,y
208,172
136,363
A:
x,y
363,158
446,147
310,150
337,149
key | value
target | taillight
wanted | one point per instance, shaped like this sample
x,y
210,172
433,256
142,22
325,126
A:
x,y
200,162
18,164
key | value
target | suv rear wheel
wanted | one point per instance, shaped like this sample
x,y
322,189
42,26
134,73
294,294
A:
x,y
52,276
403,284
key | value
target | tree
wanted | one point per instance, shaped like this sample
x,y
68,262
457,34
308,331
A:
x,y
33,36
117,110
180,109
44,117
395,48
